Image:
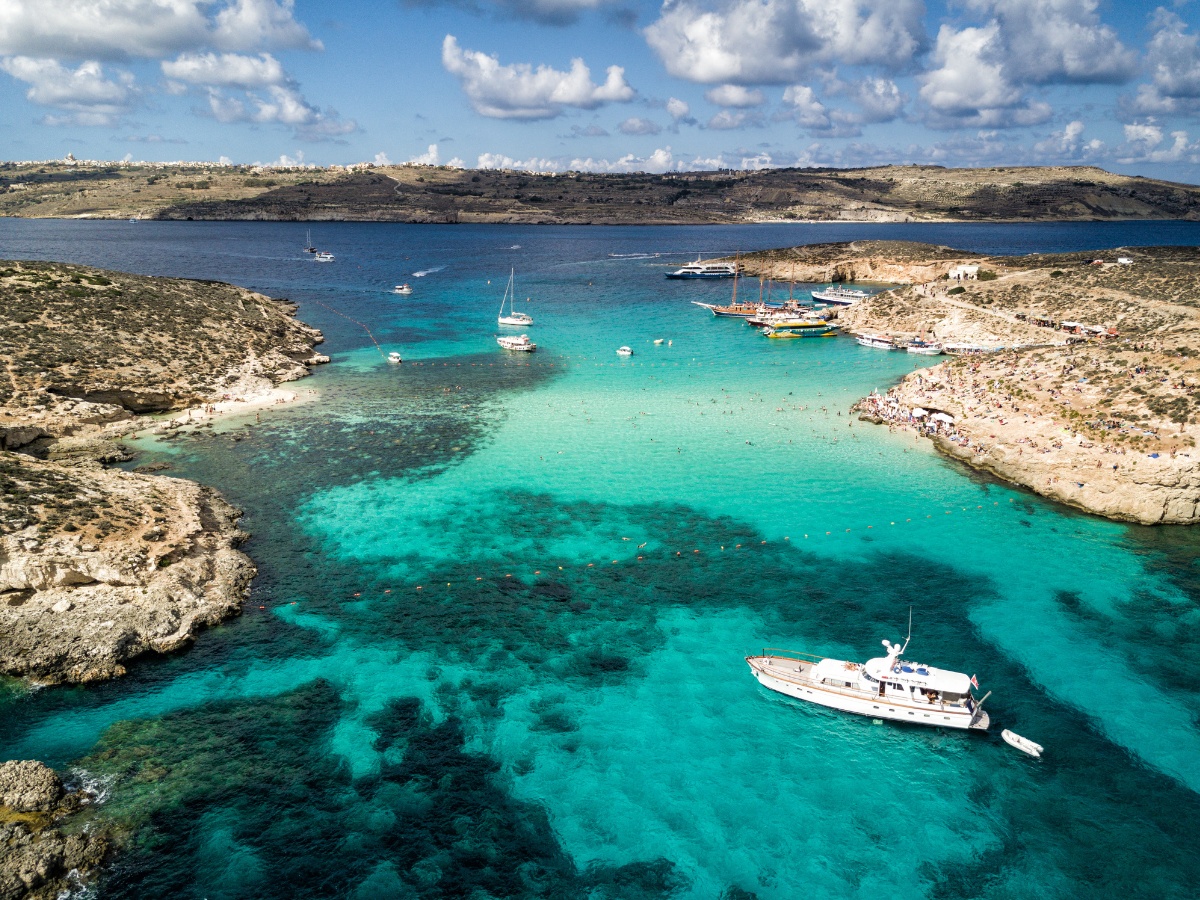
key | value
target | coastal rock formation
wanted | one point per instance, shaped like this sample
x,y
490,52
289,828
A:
x,y
1082,374
98,566
43,853
443,194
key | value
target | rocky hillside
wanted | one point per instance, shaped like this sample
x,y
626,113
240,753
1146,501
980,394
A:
x,y
442,194
98,566
1106,420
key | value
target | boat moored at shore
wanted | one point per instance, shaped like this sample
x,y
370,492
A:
x,y
887,687
876,341
841,296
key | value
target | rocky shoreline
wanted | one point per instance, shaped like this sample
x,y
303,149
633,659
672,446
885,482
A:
x,y
97,565
1081,373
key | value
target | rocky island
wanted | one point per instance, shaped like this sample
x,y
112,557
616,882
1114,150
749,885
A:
x,y
97,565
448,195
1079,374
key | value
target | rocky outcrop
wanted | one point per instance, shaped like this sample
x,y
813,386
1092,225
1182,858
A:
x,y
44,852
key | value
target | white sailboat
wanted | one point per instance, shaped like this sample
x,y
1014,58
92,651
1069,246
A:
x,y
513,318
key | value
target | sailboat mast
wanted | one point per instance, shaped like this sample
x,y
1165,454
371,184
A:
x,y
736,266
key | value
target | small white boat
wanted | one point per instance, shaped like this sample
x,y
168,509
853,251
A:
x,y
1025,745
394,358
657,341
520,319
876,341
402,289
924,349
520,343
624,351
323,256
841,296
886,687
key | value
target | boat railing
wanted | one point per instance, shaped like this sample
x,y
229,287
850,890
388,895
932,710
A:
x,y
798,656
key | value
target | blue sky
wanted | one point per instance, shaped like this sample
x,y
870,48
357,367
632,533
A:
x,y
606,85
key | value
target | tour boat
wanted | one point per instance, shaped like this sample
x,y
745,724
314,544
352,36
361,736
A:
x,y
394,358
624,351
521,343
402,289
878,341
924,349
734,310
800,329
842,296
705,270
323,256
886,687
513,318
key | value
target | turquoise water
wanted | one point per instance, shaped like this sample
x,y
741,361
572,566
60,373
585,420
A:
x,y
495,646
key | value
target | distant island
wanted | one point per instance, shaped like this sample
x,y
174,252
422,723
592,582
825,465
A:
x,y
1080,372
72,189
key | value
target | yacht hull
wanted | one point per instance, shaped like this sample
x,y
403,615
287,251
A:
x,y
773,673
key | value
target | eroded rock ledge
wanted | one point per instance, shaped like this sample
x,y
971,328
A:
x,y
98,566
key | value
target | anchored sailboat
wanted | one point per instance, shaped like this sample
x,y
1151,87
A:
x,y
513,318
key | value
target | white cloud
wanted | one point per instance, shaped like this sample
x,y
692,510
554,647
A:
x,y
283,105
734,95
970,88
519,91
429,158
774,41
659,161
85,94
381,159
728,120
637,125
226,70
879,99
119,29
807,109
1069,144
225,161
547,12
678,109
533,164
1144,143
1173,57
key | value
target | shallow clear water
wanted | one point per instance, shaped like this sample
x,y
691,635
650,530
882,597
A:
x,y
495,646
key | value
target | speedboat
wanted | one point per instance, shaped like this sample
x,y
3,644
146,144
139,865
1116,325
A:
x,y
876,341
842,296
705,270
394,358
924,349
520,343
887,687
520,319
402,289
624,351
323,256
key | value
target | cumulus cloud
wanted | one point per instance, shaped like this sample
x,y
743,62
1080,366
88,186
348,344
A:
x,y
879,99
533,164
519,91
226,69
119,29
734,95
85,95
805,107
678,109
1146,142
969,87
637,125
430,157
281,104
593,130
1069,144
1173,57
775,41
381,159
659,161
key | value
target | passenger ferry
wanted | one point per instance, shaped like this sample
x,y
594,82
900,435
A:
x,y
887,687
924,348
842,296
705,270
520,343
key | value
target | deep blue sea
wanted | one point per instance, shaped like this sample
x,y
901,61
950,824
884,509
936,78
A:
x,y
495,648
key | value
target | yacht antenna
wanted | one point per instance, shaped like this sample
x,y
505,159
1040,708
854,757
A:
x,y
909,636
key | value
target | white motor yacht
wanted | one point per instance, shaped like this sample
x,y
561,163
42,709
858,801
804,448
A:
x,y
323,256
520,343
394,358
402,289
877,341
624,351
887,687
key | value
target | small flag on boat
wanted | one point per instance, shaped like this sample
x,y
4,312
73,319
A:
x,y
974,681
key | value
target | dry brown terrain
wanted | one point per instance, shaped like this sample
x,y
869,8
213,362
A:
x,y
98,566
1105,423
446,195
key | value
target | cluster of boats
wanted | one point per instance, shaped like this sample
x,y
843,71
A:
x,y
916,345
321,256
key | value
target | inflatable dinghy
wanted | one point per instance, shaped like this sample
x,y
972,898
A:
x,y
1025,745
